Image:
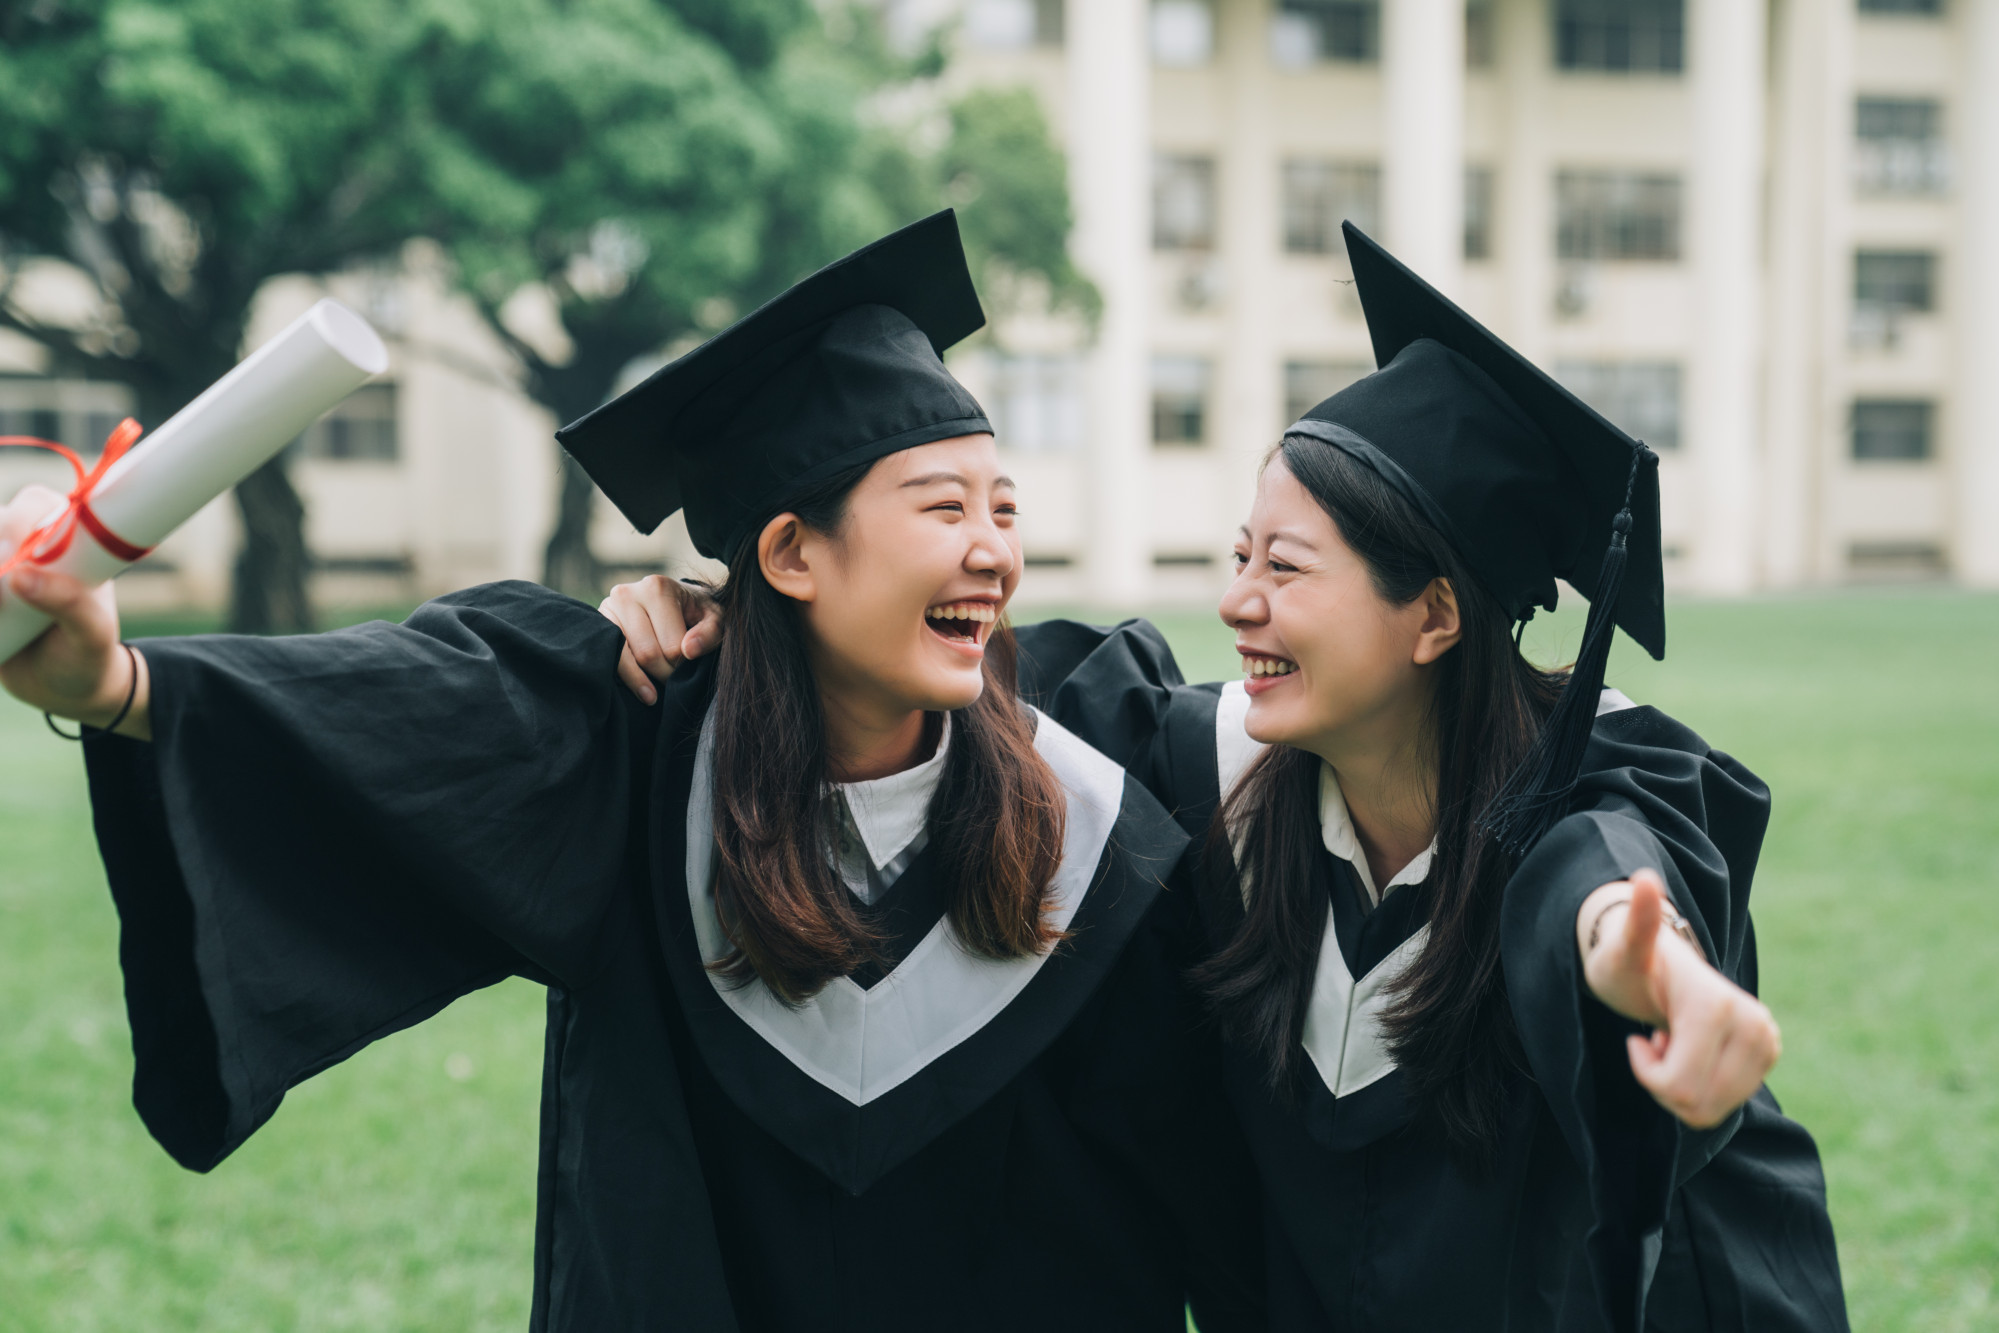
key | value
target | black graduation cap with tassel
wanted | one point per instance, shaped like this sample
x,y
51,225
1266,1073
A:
x,y
1537,793
1528,483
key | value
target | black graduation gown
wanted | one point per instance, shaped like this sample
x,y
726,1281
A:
x,y
331,838
1601,1211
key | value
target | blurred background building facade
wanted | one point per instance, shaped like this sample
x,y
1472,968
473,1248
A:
x,y
1762,235
1758,234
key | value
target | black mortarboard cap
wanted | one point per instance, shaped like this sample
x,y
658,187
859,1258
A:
x,y
1525,480
841,369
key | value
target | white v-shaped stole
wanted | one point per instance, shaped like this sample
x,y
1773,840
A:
x,y
1343,1032
1343,1024
863,1043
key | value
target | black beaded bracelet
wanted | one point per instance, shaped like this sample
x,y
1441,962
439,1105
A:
x,y
131,697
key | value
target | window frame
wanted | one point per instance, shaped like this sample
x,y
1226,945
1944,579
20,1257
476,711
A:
x,y
1606,37
1187,166
1925,412
1193,403
1615,227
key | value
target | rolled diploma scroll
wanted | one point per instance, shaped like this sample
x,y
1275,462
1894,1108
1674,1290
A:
x,y
214,442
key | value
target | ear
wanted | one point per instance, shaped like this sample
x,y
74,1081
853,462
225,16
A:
x,y
1442,626
782,555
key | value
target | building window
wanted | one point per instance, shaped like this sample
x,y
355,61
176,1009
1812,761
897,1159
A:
x,y
1183,202
1319,195
1892,430
1478,212
1481,35
1307,32
1013,25
1887,285
1931,7
1617,215
1899,146
1895,280
79,413
1621,36
1896,560
361,430
1037,403
1309,383
1179,400
43,423
1183,33
96,428
1640,398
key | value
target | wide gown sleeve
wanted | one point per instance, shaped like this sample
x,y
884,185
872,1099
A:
x,y
331,837
1652,795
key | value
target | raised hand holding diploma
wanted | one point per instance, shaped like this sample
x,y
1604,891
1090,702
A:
x,y
77,668
131,501
1712,1042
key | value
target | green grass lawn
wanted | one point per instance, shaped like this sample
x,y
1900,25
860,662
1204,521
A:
x,y
396,1191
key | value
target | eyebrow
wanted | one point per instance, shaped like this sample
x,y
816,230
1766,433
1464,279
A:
x,y
933,478
1297,539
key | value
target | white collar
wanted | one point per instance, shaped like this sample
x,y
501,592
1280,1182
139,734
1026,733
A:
x,y
864,1043
1337,831
890,812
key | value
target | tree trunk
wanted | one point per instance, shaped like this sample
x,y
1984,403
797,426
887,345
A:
x,y
270,594
569,565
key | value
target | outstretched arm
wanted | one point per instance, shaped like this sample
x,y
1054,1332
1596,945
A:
x,y
1712,1042
77,669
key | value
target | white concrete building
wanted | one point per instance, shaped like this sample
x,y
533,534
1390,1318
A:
x,y
1763,235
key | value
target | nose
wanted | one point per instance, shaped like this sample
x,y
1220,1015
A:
x,y
989,554
1243,602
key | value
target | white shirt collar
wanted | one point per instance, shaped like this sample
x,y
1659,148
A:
x,y
1337,831
890,812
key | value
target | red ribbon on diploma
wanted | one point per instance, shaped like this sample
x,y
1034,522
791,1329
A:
x,y
46,544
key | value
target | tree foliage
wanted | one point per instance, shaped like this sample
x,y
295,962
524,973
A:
x,y
654,166
687,159
657,168
181,155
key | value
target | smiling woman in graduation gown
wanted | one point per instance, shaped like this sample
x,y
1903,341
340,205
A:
x,y
328,839
1588,1205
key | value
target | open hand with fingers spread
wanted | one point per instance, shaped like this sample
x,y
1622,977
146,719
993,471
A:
x,y
666,622
77,669
1712,1042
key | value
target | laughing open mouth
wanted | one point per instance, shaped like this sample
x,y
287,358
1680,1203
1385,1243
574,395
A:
x,y
1254,666
962,622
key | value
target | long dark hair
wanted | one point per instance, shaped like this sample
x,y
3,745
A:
x,y
995,823
1450,1028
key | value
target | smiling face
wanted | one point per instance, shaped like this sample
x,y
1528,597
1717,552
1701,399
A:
x,y
899,602
1332,666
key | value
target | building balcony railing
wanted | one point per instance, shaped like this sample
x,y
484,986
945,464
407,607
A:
x,y
1874,328
1901,167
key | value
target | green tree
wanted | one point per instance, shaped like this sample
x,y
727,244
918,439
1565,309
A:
x,y
656,166
659,166
182,154
1009,181
680,162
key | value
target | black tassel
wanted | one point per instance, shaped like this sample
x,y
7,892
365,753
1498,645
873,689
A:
x,y
1538,792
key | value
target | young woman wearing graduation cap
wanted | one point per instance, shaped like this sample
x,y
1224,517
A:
x,y
1484,955
867,1003
1484,950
